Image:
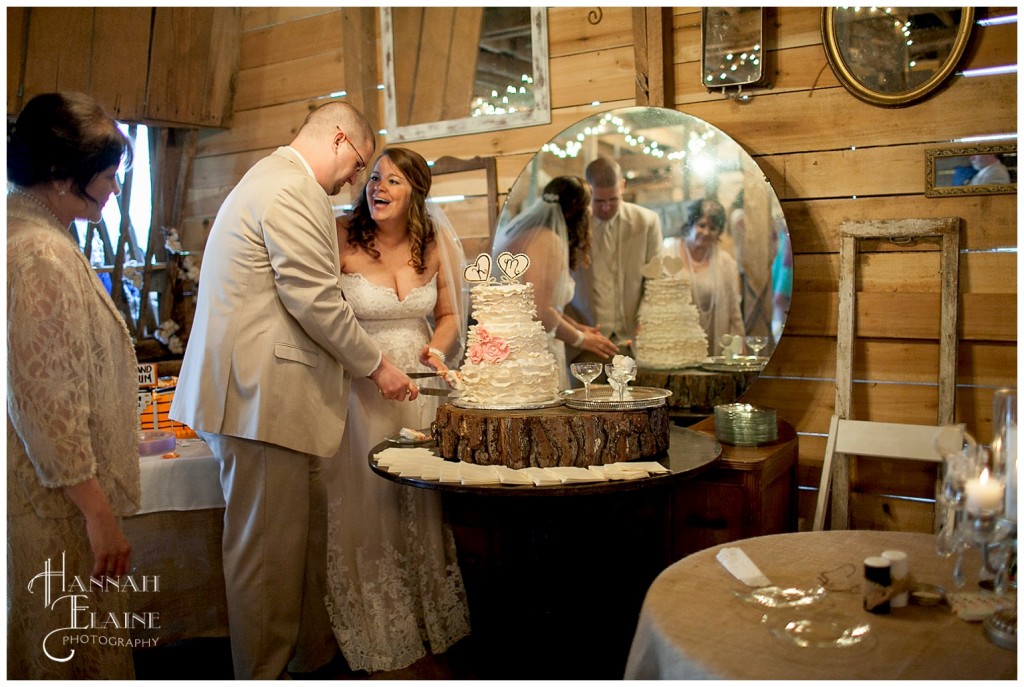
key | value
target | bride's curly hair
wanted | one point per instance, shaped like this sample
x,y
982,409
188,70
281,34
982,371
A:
x,y
362,230
573,195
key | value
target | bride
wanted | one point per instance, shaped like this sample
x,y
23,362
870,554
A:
x,y
393,580
554,232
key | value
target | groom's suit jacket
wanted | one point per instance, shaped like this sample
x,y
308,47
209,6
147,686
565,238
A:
x,y
273,343
637,243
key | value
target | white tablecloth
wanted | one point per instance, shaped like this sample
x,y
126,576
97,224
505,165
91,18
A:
x,y
189,482
176,536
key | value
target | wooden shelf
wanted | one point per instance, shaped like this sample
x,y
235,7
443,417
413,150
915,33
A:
x,y
751,491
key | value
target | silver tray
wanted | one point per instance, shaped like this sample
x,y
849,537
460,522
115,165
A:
x,y
601,398
743,363
472,405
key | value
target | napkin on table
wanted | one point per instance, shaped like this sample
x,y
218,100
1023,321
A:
x,y
574,474
540,476
742,568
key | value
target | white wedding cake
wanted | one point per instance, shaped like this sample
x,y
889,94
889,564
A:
x,y
669,334
507,358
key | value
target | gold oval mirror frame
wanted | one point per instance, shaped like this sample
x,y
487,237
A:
x,y
876,55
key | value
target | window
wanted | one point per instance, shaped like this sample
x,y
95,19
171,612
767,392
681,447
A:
x,y
139,260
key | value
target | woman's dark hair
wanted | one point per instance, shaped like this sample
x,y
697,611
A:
x,y
362,230
712,208
574,199
64,136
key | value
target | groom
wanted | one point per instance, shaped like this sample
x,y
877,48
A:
x,y
623,238
266,374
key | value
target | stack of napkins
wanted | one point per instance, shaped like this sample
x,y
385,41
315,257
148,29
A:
x,y
422,463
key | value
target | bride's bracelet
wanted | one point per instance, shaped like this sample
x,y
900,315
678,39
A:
x,y
437,353
580,336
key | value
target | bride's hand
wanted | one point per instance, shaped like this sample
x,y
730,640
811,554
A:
x,y
430,359
596,342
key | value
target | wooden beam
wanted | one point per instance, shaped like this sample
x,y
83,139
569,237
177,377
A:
x,y
359,39
652,41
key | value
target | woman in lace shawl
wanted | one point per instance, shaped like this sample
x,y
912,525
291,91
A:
x,y
72,456
554,232
394,584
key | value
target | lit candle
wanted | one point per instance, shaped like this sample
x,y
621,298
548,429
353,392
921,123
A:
x,y
984,495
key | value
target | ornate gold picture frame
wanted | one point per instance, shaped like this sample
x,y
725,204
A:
x,y
971,170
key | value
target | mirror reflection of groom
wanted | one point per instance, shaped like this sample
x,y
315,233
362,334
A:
x,y
624,237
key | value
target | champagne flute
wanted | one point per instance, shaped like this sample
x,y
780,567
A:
x,y
756,343
586,373
618,378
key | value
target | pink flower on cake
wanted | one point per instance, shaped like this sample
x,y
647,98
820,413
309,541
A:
x,y
490,349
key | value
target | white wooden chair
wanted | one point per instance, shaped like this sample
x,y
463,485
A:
x,y
874,439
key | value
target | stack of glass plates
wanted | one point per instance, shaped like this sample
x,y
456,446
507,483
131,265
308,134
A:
x,y
742,424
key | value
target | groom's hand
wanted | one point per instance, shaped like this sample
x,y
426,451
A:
x,y
394,384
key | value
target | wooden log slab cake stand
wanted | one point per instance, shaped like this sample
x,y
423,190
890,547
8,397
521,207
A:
x,y
550,437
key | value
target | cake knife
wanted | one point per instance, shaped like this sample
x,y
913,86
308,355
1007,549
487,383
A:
x,y
431,391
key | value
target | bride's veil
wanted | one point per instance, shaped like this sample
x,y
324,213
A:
x,y
453,265
525,233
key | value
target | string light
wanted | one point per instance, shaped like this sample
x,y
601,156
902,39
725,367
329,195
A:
x,y
733,63
509,100
640,144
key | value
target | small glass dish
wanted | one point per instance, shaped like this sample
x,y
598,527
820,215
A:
x,y
779,597
823,629
928,595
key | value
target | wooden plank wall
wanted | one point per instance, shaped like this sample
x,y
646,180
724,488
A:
x,y
830,158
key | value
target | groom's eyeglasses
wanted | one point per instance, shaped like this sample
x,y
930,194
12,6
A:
x,y
361,165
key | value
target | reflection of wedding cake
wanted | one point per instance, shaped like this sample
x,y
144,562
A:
x,y
669,334
507,358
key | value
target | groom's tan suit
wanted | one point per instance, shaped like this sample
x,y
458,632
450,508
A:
x,y
265,381
634,241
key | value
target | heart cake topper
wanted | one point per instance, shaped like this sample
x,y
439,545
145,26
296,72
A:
x,y
672,264
479,271
652,270
663,266
513,265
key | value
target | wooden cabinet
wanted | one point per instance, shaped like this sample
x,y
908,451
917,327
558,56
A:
x,y
153,65
750,491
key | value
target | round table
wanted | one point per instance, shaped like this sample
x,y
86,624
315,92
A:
x,y
693,625
555,575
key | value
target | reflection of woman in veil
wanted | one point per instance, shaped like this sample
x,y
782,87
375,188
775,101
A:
x,y
393,579
554,232
713,273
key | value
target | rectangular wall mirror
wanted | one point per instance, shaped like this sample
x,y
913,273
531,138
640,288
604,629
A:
x,y
459,70
732,46
971,170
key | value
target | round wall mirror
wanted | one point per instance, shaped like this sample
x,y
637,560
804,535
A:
x,y
671,161
894,55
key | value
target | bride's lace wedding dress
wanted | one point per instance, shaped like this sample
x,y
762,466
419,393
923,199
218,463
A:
x,y
394,587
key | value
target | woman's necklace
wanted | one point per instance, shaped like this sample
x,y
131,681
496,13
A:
x,y
37,201
693,281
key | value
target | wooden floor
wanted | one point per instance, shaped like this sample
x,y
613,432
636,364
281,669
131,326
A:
x,y
210,659
472,658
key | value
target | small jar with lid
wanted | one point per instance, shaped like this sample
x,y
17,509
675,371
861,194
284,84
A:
x,y
877,576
